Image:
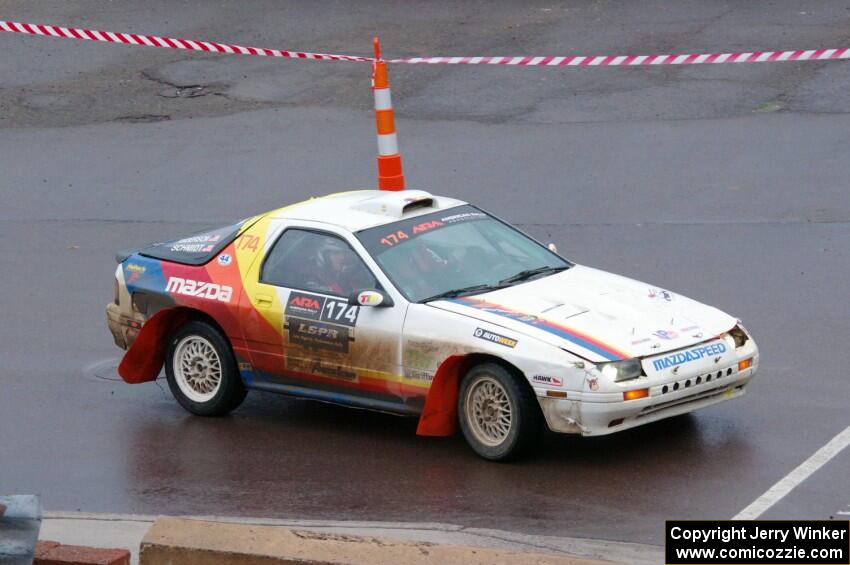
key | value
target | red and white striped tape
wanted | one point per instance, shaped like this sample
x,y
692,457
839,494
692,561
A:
x,y
634,60
539,61
168,42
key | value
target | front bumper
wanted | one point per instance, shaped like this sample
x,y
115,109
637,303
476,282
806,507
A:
x,y
592,414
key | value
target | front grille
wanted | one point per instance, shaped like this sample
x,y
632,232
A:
x,y
698,380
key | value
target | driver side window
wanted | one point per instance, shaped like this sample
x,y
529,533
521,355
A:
x,y
316,261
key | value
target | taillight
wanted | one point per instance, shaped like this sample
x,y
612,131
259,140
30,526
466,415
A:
x,y
115,291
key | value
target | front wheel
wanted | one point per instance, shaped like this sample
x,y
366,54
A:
x,y
499,415
202,372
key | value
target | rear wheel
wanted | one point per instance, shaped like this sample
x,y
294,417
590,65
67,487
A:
x,y
499,415
202,372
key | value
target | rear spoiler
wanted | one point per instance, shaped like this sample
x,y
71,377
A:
x,y
122,256
223,236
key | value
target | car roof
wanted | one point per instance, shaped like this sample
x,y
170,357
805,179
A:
x,y
361,209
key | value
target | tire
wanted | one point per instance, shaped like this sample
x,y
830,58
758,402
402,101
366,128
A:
x,y
498,413
201,370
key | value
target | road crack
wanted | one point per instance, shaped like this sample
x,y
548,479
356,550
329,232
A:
x,y
174,89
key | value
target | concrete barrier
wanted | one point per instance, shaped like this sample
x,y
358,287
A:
x,y
20,522
178,541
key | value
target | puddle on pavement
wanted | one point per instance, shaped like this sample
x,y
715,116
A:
x,y
107,370
104,370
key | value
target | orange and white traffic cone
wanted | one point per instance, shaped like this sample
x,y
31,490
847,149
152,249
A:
x,y
390,175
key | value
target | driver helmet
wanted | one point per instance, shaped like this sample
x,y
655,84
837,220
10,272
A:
x,y
426,259
329,247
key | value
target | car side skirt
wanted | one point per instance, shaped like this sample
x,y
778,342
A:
x,y
342,399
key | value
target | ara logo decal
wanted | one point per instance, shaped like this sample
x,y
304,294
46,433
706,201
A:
x,y
425,226
305,305
547,380
305,302
666,334
690,355
207,290
224,259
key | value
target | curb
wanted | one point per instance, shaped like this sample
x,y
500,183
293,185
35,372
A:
x,y
180,541
128,530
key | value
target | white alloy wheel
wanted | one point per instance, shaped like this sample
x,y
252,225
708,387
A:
x,y
197,368
489,410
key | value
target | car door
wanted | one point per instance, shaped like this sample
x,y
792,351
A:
x,y
328,348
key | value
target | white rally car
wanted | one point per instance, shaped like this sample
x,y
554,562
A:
x,y
416,304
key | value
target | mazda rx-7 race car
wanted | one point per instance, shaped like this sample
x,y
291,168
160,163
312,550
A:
x,y
416,304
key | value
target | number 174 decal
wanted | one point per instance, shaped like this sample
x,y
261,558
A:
x,y
340,312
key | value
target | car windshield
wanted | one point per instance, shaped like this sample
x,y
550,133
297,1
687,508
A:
x,y
455,252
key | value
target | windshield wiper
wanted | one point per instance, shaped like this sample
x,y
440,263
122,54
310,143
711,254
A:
x,y
455,292
528,273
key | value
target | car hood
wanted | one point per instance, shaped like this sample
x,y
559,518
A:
x,y
596,315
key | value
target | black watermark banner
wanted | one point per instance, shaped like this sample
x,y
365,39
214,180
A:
x,y
757,542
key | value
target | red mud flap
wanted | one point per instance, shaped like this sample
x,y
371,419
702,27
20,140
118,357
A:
x,y
439,416
144,359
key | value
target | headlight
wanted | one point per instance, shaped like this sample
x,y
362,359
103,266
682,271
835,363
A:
x,y
739,334
619,371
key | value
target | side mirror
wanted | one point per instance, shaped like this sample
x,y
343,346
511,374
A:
x,y
552,247
370,297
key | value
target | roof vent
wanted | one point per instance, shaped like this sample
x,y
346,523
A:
x,y
426,202
397,204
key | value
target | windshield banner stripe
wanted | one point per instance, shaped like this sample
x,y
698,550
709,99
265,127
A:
x,y
582,340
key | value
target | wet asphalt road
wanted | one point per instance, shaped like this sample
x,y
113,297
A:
x,y
728,184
